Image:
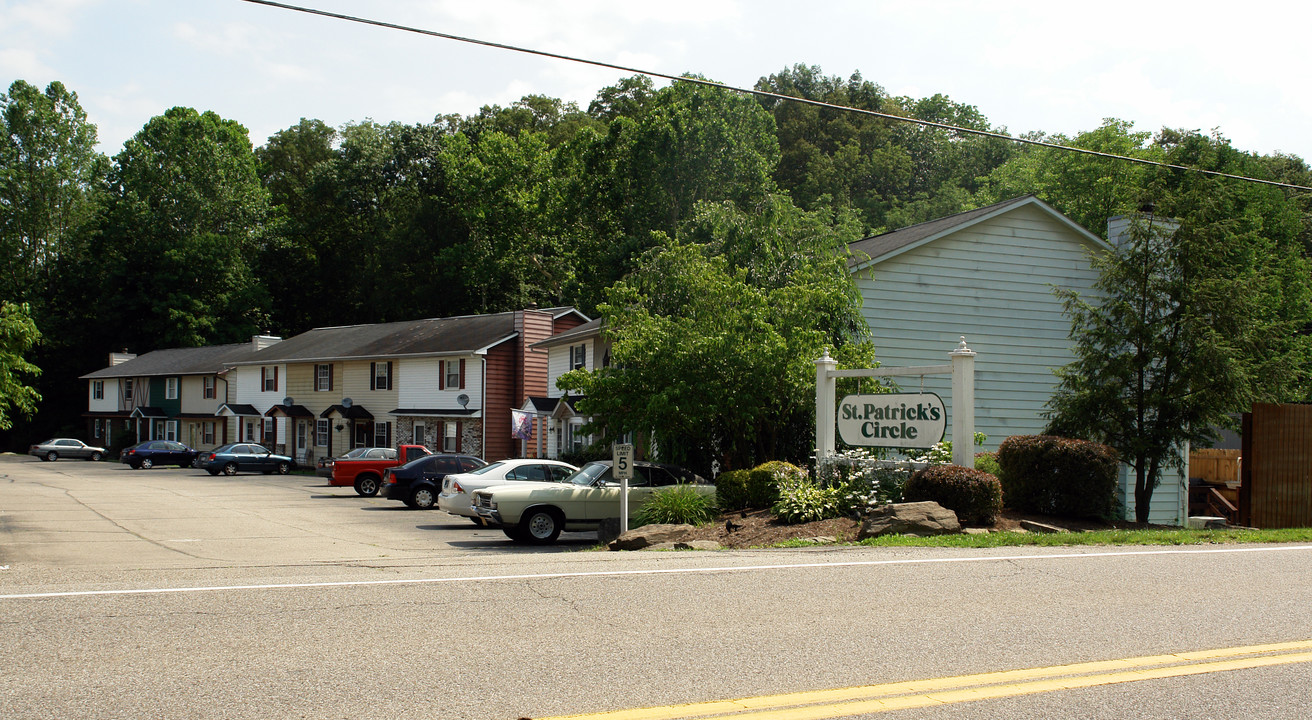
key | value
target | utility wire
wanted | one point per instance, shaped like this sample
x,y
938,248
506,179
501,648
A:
x,y
763,93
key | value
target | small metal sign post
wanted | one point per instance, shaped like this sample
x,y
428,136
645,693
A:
x,y
622,455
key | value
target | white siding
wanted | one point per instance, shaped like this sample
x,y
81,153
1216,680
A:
x,y
109,403
248,390
420,382
991,282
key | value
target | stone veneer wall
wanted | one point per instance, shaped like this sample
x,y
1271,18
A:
x,y
471,440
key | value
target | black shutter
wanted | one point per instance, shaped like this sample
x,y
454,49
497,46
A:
x,y
389,374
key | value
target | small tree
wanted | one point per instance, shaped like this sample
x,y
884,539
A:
x,y
1193,323
18,335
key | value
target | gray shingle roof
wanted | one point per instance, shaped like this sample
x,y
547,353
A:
x,y
177,361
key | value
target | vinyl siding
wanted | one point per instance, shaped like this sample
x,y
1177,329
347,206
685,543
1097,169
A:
x,y
109,403
192,394
499,395
422,380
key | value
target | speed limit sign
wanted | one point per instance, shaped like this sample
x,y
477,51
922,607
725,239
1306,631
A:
x,y
623,457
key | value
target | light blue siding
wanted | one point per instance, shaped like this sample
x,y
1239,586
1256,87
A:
x,y
993,283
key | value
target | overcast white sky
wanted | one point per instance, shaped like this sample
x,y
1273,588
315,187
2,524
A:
x,y
1051,66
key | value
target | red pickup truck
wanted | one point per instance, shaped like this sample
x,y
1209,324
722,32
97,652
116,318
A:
x,y
365,474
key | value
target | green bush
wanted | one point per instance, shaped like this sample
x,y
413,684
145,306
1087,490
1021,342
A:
x,y
587,455
764,482
1059,476
974,495
802,500
988,462
678,505
731,490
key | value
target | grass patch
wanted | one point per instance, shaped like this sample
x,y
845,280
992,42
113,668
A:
x,y
1098,537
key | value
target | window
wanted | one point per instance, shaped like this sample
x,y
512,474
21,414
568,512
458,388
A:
x,y
269,379
451,437
383,434
97,389
321,432
171,388
96,431
418,436
127,391
208,388
451,375
380,375
171,430
323,378
207,432
578,356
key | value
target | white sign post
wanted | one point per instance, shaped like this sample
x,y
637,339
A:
x,y
622,470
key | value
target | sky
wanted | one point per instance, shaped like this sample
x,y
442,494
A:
x,y
1046,66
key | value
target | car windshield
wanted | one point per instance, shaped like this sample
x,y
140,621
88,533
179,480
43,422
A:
x,y
485,468
588,474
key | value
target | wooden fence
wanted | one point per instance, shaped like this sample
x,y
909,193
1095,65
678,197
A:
x,y
1277,467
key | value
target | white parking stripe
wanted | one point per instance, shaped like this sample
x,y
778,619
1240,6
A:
x,y
662,571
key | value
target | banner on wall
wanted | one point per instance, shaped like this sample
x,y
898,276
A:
x,y
521,425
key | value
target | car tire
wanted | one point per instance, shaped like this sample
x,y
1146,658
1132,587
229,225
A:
x,y
230,469
146,464
513,532
541,526
212,472
52,456
477,521
423,498
284,468
95,457
366,485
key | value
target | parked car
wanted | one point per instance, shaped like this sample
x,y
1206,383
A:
x,y
418,482
537,513
55,448
457,488
144,456
365,473
249,457
325,465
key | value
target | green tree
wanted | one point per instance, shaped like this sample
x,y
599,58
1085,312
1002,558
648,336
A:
x,y
51,184
713,350
182,231
18,336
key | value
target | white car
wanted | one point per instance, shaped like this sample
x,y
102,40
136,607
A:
x,y
458,488
536,513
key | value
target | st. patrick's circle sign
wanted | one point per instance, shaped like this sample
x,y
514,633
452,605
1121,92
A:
x,y
898,420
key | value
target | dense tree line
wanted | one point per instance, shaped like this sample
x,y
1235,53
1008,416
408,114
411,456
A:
x,y
192,235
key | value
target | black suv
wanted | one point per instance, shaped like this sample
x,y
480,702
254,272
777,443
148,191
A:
x,y
418,482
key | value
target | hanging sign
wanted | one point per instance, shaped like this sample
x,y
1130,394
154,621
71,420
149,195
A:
x,y
896,420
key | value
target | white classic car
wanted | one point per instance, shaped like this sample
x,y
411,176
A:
x,y
537,512
457,488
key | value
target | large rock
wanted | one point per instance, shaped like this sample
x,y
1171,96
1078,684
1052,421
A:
x,y
608,530
649,535
917,518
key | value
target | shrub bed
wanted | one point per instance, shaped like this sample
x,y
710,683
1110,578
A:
x,y
975,496
1059,476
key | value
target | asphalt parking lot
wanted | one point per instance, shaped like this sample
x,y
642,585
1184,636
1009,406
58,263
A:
x,y
74,514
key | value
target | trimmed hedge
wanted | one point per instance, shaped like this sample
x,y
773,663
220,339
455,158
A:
x,y
763,482
974,495
1059,476
731,490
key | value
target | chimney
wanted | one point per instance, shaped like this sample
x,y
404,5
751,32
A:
x,y
118,358
259,342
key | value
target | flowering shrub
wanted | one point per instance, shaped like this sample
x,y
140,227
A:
x,y
803,500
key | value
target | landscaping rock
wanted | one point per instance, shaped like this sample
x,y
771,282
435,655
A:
x,y
649,535
919,518
686,545
608,530
976,531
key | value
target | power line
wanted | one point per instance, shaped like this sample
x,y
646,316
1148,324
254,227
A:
x,y
764,93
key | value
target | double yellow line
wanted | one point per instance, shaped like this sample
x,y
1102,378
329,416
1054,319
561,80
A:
x,y
868,699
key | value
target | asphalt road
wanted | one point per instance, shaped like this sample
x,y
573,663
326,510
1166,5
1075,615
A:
x,y
172,594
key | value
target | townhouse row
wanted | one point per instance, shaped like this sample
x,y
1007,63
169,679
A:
x,y
451,384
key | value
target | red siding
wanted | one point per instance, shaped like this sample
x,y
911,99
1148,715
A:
x,y
502,382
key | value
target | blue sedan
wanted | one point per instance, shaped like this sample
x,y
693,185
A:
x,y
144,456
245,457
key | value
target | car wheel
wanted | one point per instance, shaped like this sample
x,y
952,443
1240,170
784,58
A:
x,y
52,456
230,469
95,457
541,526
514,533
212,472
366,485
284,468
422,498
146,464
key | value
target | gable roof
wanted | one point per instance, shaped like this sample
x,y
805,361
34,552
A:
x,y
206,360
871,250
462,335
